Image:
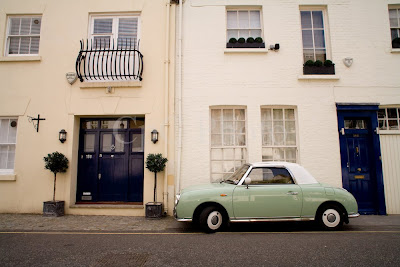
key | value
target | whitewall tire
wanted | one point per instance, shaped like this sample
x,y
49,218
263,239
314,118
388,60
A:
x,y
211,219
330,218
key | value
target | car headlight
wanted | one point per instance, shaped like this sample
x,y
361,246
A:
x,y
177,197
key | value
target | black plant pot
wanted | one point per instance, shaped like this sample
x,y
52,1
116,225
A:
x,y
53,209
154,210
245,45
310,70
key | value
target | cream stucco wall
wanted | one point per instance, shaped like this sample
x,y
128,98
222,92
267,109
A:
x,y
213,75
37,85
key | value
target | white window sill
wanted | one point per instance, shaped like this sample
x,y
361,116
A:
x,y
318,77
115,84
395,50
385,132
8,177
20,58
245,50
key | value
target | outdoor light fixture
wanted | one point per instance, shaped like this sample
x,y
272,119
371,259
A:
x,y
154,136
62,136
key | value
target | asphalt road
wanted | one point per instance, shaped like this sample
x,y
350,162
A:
x,y
298,247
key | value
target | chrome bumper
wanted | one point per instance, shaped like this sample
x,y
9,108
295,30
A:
x,y
183,220
354,215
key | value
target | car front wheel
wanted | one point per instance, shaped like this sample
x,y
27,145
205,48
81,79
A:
x,y
211,219
329,218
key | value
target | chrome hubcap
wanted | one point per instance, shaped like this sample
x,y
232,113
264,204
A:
x,y
331,218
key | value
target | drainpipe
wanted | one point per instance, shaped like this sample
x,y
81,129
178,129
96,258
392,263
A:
x,y
179,98
166,104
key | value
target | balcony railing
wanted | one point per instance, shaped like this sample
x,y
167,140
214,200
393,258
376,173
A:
x,y
109,60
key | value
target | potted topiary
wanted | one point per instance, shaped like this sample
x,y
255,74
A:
x,y
317,67
246,43
155,163
55,162
396,42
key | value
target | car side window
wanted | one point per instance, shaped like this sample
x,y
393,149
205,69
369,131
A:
x,y
264,176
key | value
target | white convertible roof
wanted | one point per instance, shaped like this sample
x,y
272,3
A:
x,y
301,175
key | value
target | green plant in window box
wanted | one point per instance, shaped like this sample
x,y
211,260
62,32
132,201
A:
x,y
233,40
258,40
318,67
56,162
396,42
250,40
309,63
318,63
243,43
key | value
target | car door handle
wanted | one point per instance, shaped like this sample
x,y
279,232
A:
x,y
292,193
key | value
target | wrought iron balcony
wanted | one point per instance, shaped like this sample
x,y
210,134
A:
x,y
104,59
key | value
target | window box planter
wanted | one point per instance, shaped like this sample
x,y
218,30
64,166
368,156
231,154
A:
x,y
395,45
245,45
312,70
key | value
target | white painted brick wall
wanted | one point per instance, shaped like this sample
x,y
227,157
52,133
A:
x,y
358,29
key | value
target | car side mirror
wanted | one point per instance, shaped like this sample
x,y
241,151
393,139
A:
x,y
247,181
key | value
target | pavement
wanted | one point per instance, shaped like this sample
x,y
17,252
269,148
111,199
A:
x,y
127,224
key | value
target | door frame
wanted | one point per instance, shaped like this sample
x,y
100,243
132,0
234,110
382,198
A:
x,y
369,111
97,153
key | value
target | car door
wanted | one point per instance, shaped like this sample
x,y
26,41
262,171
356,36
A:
x,y
272,193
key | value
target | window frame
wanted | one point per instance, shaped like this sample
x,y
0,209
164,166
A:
x,y
397,8
284,146
326,30
115,17
248,9
386,120
8,35
270,184
10,171
222,147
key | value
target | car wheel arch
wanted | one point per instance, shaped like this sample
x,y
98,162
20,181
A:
x,y
202,206
343,211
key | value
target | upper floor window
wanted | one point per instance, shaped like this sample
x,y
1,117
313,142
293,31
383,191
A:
x,y
314,35
23,35
394,17
115,31
389,118
228,141
8,140
244,29
278,126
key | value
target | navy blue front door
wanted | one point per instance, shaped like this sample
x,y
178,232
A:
x,y
111,159
360,157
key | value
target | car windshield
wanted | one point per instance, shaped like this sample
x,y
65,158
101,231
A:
x,y
237,175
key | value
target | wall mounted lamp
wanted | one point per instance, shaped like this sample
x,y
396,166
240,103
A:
x,y
154,136
274,47
62,136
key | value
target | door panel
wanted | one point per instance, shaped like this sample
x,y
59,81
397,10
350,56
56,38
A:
x,y
111,163
358,167
267,201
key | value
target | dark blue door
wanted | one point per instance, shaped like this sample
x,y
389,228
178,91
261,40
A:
x,y
111,160
360,158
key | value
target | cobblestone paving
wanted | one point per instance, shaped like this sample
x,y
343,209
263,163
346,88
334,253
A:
x,y
33,222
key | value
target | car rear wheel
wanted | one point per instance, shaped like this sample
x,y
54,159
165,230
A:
x,y
330,218
211,219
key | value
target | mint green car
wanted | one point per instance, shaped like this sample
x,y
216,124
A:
x,y
266,191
